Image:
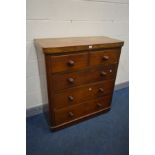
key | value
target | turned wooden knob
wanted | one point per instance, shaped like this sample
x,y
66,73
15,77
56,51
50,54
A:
x,y
71,80
105,57
71,63
71,98
101,89
99,105
70,114
103,73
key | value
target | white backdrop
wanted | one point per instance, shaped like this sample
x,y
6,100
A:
x,y
64,18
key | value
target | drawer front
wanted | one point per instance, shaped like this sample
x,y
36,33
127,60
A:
x,y
68,62
98,104
74,112
64,81
106,57
79,94
69,114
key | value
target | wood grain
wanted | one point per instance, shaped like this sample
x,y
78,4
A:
x,y
106,57
68,62
82,93
81,74
62,45
76,111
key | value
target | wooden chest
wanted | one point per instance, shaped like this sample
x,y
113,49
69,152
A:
x,y
80,73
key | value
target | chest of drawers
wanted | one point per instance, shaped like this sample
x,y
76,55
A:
x,y
80,74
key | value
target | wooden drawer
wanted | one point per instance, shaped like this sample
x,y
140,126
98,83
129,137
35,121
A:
x,y
68,80
80,94
68,62
69,114
106,57
98,104
80,110
80,74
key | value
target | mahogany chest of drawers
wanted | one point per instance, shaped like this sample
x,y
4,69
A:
x,y
80,74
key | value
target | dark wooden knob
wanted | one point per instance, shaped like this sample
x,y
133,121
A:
x,y
99,105
71,80
71,63
105,57
103,73
101,89
70,114
71,98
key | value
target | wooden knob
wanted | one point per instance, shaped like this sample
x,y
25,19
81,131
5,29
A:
x,y
103,73
71,98
99,105
105,57
71,80
101,89
70,114
71,63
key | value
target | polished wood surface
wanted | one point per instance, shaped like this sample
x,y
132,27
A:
x,y
98,104
84,76
108,56
59,45
82,93
69,62
75,111
80,74
68,114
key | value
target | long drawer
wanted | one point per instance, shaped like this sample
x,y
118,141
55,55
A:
x,y
87,108
68,80
83,93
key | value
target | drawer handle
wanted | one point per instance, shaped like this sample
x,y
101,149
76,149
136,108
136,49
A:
x,y
99,105
71,98
71,63
71,80
105,57
70,114
101,90
103,73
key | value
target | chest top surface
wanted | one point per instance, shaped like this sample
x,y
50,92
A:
x,y
72,44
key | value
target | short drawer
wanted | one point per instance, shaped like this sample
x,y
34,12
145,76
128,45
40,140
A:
x,y
98,104
106,57
68,80
69,114
83,93
68,62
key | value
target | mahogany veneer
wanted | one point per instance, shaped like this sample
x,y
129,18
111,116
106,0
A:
x,y
80,73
